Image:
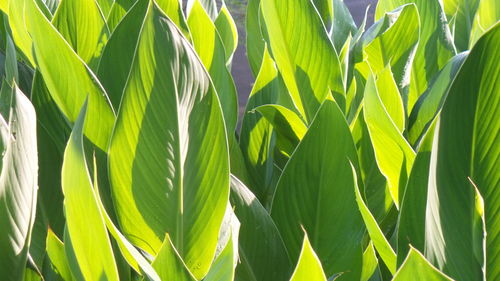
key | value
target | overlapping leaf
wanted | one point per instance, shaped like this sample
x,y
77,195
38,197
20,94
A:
x,y
18,180
316,192
166,172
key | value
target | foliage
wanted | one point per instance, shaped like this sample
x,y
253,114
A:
x,y
363,153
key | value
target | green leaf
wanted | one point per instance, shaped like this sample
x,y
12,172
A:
x,y
223,267
413,216
262,252
117,56
105,6
20,35
370,262
57,256
11,71
165,172
415,267
257,140
435,46
255,34
118,11
82,25
91,245
169,264
69,91
173,9
430,103
209,46
289,127
488,14
393,153
228,32
316,192
391,98
343,24
304,54
468,124
325,10
18,180
53,132
383,247
131,255
210,6
309,266
462,13
391,43
376,191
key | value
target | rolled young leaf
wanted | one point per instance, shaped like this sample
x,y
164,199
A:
x,y
168,158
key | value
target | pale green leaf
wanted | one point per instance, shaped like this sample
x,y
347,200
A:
x,y
487,15
370,262
57,256
210,6
255,34
309,266
228,32
169,264
91,245
173,9
20,34
223,267
209,46
18,180
118,11
69,91
393,153
416,267
390,97
83,26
